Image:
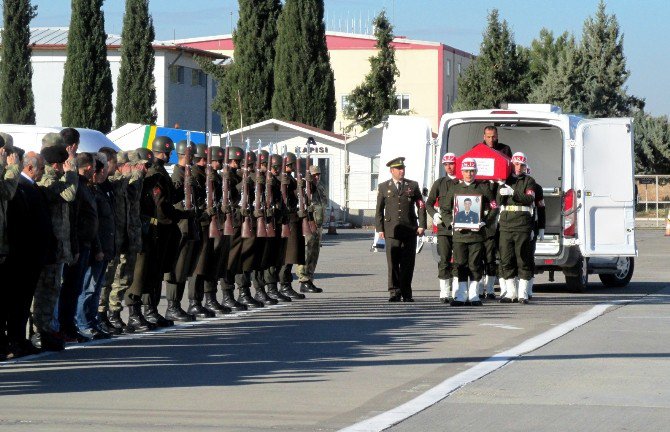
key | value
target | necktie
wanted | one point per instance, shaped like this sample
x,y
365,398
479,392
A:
x,y
399,186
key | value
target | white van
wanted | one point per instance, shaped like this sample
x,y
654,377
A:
x,y
585,167
29,137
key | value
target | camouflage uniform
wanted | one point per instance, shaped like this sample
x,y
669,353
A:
x,y
319,202
9,180
58,191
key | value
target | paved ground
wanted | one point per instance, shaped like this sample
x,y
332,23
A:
x,y
346,355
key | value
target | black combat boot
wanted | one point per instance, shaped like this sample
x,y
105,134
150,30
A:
x,y
230,302
263,297
308,287
214,306
106,326
274,293
136,320
114,318
288,291
151,314
174,312
246,299
195,308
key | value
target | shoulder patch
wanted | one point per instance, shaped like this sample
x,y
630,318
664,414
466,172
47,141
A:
x,y
530,192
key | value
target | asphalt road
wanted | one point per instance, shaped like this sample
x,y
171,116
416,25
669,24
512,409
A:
x,y
346,355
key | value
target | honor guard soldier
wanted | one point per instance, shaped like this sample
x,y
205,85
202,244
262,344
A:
x,y
516,197
469,242
442,219
540,219
396,222
317,203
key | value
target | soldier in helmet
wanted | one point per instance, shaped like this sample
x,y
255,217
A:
x,y
273,257
159,218
516,197
197,289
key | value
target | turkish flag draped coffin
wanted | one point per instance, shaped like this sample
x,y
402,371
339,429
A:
x,y
491,164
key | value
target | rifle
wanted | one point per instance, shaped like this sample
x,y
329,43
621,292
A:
x,y
285,227
308,188
259,213
269,199
225,189
300,191
214,232
194,232
247,232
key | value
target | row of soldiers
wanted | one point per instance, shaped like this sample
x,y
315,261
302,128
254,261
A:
x,y
512,220
196,226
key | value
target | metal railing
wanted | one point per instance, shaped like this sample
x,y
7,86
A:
x,y
653,200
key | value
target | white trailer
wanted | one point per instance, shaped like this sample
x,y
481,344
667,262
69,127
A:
x,y
585,167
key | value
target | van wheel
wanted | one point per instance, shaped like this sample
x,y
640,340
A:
x,y
625,267
576,278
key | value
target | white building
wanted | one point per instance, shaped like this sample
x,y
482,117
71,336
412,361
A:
x,y
184,93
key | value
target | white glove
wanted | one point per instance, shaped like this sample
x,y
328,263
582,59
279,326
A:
x,y
437,219
506,191
501,182
482,224
540,234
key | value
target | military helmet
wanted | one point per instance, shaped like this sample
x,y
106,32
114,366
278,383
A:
x,y
182,145
290,158
144,155
122,157
200,151
6,140
275,160
264,155
217,153
235,153
162,144
251,158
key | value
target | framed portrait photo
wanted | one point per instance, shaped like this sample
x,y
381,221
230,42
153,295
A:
x,y
467,211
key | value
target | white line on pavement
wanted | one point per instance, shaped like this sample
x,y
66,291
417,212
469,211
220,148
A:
x,y
502,326
448,386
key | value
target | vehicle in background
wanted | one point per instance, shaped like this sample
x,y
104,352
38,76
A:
x,y
29,137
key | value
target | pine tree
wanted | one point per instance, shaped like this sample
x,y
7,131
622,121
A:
x,y
87,83
304,83
652,144
498,74
136,94
605,70
545,53
16,71
375,97
252,72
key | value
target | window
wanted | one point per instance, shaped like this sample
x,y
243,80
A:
x,y
374,173
402,101
195,77
203,79
458,68
177,74
448,67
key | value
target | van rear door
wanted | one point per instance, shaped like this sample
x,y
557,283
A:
x,y
604,184
411,138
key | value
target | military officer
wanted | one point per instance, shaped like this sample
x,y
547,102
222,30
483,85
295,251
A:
x,y
442,219
468,242
317,206
396,222
516,197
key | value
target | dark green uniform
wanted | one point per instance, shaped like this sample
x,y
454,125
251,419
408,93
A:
x,y
438,194
396,217
516,225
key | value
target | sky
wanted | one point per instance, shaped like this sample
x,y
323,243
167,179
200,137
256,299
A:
x,y
459,24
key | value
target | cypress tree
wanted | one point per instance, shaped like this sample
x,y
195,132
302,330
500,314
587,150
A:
x,y
304,83
16,71
498,74
252,72
136,94
375,97
87,84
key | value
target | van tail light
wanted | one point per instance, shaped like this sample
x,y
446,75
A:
x,y
570,213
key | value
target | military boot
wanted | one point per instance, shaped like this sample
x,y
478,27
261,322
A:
x,y
151,314
288,291
214,306
230,302
106,326
273,293
136,320
195,308
246,299
115,320
174,312
263,297
309,287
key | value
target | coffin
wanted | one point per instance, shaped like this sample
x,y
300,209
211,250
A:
x,y
491,164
